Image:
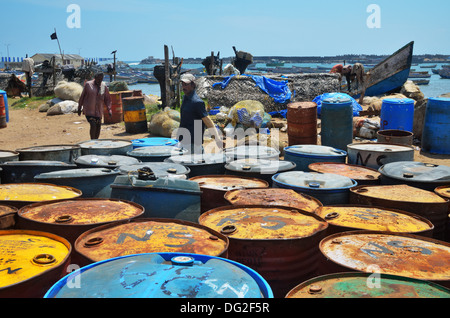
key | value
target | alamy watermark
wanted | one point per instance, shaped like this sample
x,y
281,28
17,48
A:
x,y
74,19
374,19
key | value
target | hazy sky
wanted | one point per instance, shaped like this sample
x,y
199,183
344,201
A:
x,y
141,28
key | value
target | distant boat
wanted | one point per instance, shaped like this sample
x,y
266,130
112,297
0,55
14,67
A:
x,y
435,71
428,66
390,74
419,75
421,82
275,63
445,73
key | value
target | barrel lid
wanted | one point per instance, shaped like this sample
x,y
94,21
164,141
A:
x,y
315,150
198,159
81,211
439,99
154,141
354,172
251,151
8,153
263,166
338,99
36,192
112,161
398,192
443,191
155,151
412,171
314,180
273,196
373,218
76,173
28,254
149,236
161,275
160,169
105,143
399,101
6,210
33,163
389,253
228,182
263,222
356,285
379,147
302,105
47,148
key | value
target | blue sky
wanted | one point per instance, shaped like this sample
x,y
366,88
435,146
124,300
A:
x,y
141,28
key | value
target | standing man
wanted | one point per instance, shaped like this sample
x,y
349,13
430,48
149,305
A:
x,y
28,68
95,94
194,119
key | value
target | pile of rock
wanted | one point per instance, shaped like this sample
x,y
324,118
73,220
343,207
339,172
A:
x,y
66,101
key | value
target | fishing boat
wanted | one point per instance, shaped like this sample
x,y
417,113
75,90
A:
x,y
421,81
428,66
419,75
275,62
445,73
390,74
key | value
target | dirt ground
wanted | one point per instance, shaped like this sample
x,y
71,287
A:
x,y
29,127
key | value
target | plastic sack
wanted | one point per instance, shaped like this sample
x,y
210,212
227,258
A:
x,y
318,100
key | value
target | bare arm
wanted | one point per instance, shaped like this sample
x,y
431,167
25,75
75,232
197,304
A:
x,y
214,132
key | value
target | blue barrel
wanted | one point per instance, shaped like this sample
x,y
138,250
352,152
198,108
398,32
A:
x,y
5,98
154,141
436,130
163,275
304,155
397,113
336,122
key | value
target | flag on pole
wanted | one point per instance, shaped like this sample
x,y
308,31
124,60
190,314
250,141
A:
x,y
53,36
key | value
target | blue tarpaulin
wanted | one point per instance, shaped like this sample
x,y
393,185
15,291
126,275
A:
x,y
279,91
318,100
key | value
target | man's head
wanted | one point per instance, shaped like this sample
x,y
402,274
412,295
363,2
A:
x,y
187,83
98,78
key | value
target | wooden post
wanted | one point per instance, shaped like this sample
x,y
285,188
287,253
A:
x,y
211,65
114,66
167,75
54,71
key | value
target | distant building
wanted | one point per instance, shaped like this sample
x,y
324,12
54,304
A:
x,y
74,59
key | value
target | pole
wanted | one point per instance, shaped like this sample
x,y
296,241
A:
x,y
62,55
167,75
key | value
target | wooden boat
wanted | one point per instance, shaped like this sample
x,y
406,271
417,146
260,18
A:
x,y
445,73
428,66
419,75
421,82
390,74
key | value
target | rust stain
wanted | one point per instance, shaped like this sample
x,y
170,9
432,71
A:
x,y
227,183
399,192
347,170
6,210
36,192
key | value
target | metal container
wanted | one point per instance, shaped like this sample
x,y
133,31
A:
x,y
444,192
302,123
154,141
7,155
32,262
421,175
395,136
328,188
258,168
134,115
8,216
365,285
362,175
163,197
399,254
21,194
214,188
156,153
93,182
336,117
106,147
116,109
349,217
280,243
25,171
64,153
160,169
141,236
436,129
273,196
201,164
110,162
164,275
406,198
374,155
397,113
304,155
252,151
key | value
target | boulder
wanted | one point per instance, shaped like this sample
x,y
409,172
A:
x,y
411,90
68,91
64,107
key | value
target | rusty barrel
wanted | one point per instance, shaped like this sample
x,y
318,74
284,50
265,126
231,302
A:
x,y
349,217
134,115
116,109
444,192
63,153
8,155
389,253
31,262
367,285
273,196
8,215
280,243
3,123
149,235
21,194
214,188
395,136
302,123
362,175
406,198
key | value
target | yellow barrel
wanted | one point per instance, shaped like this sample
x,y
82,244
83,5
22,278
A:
x,y
31,262
21,194
134,115
342,218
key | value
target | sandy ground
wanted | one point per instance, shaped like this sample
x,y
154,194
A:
x,y
29,127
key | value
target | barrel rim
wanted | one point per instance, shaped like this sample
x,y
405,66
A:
x,y
83,143
405,133
384,174
292,165
77,191
235,207
144,220
413,215
33,149
339,152
291,186
311,167
24,209
13,209
354,145
225,176
442,187
365,275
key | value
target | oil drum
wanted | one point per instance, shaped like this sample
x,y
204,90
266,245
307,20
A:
x,y
302,123
134,115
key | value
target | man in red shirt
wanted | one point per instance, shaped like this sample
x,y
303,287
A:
x,y
95,94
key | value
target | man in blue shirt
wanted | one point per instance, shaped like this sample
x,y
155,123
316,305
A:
x,y
194,118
